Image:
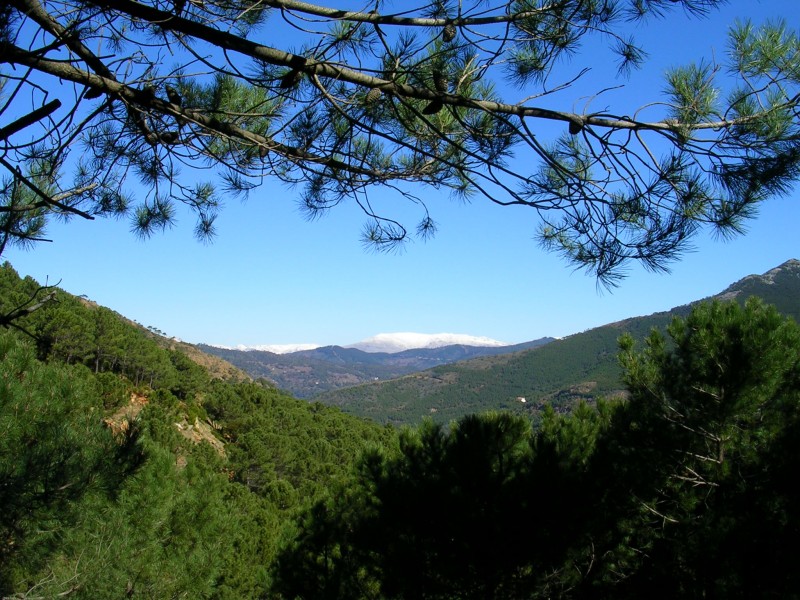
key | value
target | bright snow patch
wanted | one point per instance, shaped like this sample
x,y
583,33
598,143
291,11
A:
x,y
397,342
274,348
385,342
281,348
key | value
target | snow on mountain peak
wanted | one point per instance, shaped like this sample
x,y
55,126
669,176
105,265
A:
x,y
385,342
397,342
274,348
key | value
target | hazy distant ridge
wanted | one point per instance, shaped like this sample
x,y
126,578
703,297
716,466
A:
x,y
383,342
398,342
307,373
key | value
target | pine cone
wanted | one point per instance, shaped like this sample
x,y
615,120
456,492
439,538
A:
x,y
373,96
433,107
440,81
449,32
92,93
173,95
150,91
169,137
291,79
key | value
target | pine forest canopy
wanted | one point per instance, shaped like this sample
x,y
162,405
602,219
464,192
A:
x,y
163,103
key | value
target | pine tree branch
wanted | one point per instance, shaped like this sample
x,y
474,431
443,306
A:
x,y
26,308
29,119
168,21
16,55
46,199
397,19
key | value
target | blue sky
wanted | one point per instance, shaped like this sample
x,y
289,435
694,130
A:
x,y
272,277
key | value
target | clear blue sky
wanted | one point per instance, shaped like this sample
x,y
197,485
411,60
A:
x,y
271,277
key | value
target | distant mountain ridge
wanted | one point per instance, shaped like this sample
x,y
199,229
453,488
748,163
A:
x,y
307,373
579,367
398,342
383,342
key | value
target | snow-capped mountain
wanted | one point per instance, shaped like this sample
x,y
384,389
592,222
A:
x,y
274,348
384,342
398,342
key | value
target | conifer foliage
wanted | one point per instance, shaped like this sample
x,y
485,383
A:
x,y
683,491
706,447
686,489
161,104
183,493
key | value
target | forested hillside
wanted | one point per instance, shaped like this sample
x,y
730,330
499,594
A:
x,y
581,367
127,470
685,490
617,134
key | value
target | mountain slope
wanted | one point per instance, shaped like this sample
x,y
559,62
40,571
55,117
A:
x,y
114,440
310,372
582,366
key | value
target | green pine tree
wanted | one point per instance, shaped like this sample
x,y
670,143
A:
x,y
476,98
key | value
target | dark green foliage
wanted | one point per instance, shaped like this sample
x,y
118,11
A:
x,y
54,451
484,510
443,510
218,490
684,491
282,448
699,453
191,494
75,331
